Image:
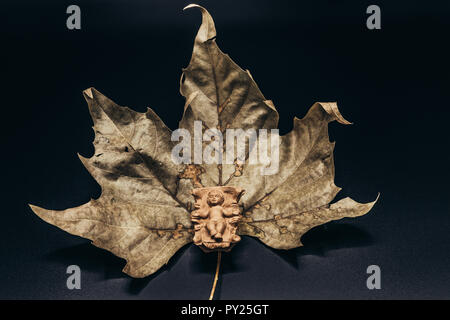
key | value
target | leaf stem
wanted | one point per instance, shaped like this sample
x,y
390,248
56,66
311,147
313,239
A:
x,y
216,276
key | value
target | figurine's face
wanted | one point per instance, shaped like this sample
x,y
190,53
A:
x,y
215,197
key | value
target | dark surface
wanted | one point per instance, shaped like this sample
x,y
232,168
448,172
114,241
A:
x,y
392,83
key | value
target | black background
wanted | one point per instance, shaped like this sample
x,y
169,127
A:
x,y
392,83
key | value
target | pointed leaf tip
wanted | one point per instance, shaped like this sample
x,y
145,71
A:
x,y
33,207
82,159
40,212
192,5
332,109
378,197
88,93
207,29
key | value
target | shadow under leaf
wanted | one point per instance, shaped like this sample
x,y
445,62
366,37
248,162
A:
x,y
322,239
201,262
318,241
91,258
138,284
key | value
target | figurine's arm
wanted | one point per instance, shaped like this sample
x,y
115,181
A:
x,y
200,213
197,217
235,219
231,211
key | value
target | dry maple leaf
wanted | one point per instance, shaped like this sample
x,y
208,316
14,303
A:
x,y
143,213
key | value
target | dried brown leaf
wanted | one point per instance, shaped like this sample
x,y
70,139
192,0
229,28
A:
x,y
141,193
142,214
